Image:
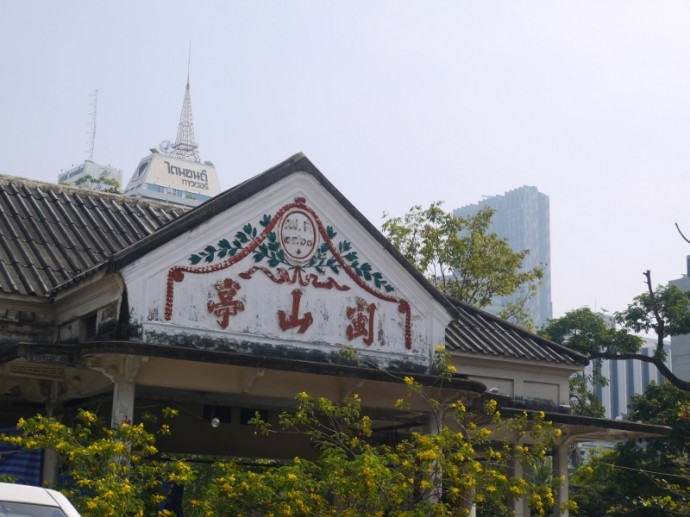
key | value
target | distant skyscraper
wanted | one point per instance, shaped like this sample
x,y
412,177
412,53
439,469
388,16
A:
x,y
628,377
522,218
681,344
173,173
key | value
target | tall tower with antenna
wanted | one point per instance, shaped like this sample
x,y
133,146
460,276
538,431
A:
x,y
174,173
89,174
185,146
92,126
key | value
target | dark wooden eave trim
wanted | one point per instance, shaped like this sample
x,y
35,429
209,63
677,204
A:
x,y
70,354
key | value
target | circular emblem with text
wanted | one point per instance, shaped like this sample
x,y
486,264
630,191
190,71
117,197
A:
x,y
298,236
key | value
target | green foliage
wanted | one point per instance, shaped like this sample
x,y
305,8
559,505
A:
x,y
642,478
355,474
588,333
583,401
666,313
116,472
268,248
461,258
113,186
108,471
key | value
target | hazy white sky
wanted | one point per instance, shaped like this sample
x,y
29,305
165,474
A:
x,y
396,102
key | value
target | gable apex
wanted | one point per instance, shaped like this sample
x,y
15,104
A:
x,y
298,163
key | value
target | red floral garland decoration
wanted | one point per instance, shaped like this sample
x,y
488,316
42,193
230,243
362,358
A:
x,y
176,273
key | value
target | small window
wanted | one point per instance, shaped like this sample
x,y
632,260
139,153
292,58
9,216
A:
x,y
89,327
246,414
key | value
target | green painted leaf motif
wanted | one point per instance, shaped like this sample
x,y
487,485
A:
x,y
270,249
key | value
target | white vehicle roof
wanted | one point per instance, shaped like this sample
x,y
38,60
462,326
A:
x,y
15,493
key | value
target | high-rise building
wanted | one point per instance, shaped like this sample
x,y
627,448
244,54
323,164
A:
x,y
681,344
522,218
174,173
628,377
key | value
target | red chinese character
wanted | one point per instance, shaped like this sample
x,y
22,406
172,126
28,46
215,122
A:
x,y
362,317
294,320
227,289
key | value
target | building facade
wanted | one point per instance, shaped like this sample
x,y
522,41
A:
x,y
174,173
93,176
121,305
627,378
522,218
681,344
168,179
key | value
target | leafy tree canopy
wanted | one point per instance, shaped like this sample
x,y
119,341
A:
x,y
354,472
644,478
664,311
462,258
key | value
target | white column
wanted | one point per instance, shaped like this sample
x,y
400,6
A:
x,y
123,373
123,400
560,468
432,427
518,470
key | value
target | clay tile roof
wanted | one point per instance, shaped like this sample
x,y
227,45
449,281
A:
x,y
477,332
50,234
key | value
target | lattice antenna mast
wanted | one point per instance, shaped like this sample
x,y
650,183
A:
x,y
185,146
92,126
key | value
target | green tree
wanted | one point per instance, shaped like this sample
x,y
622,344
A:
x,y
462,258
642,478
106,472
664,311
588,333
111,184
352,473
422,474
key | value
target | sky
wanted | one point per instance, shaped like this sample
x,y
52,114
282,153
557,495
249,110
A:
x,y
397,102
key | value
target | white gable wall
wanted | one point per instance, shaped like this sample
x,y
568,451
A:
x,y
320,313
